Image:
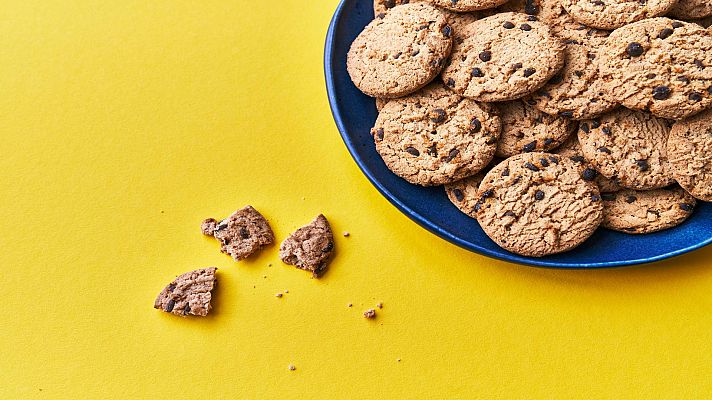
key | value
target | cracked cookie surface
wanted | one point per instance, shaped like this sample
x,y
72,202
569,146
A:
x,y
309,247
511,55
241,234
639,212
659,65
400,52
535,204
612,14
526,129
629,147
692,9
189,294
689,149
435,136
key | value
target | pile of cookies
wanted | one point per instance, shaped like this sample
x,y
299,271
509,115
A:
x,y
545,119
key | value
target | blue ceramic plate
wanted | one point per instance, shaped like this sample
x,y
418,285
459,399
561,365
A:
x,y
355,114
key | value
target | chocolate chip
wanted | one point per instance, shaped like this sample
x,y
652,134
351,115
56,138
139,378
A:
x,y
642,165
544,162
709,90
415,53
531,102
508,25
529,72
694,96
578,159
475,125
677,24
608,196
186,310
390,3
589,174
683,78
220,227
539,195
447,31
604,149
661,92
699,64
567,114
686,207
509,213
505,172
171,287
548,142
532,167
595,198
478,206
630,199
458,194
453,153
487,194
595,124
412,151
380,15
528,148
477,73
635,49
651,76
606,130
438,115
530,7
433,150
665,33
170,305
526,27
516,66
584,127
486,55
531,18
450,82
556,79
554,159
379,133
244,233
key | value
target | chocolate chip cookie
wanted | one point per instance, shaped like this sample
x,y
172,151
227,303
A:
x,y
382,6
637,212
309,247
629,147
692,9
526,129
463,193
511,55
401,51
572,150
535,204
689,149
241,234
188,294
660,65
435,137
612,14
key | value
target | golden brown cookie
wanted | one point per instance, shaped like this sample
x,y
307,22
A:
x,y
689,149
639,212
241,234
612,14
309,247
188,294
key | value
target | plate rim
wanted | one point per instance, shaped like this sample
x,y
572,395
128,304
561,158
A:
x,y
422,220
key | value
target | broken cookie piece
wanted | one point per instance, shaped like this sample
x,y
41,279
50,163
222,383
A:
x,y
241,234
188,294
310,247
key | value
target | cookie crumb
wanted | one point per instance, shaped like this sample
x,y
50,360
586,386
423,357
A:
x,y
349,305
286,291
398,359
369,314
278,295
346,234
379,305
291,367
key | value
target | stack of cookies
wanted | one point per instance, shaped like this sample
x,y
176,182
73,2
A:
x,y
545,119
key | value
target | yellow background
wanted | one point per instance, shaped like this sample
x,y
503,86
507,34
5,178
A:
x,y
125,123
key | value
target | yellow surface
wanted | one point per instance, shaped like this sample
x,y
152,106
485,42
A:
x,y
125,123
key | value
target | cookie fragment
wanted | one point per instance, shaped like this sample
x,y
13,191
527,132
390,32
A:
x,y
400,52
188,294
309,247
639,212
689,150
536,204
241,234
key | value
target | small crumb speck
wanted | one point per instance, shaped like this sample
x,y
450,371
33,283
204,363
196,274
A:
x,y
379,305
346,234
286,291
398,360
349,305
264,276
369,314
278,295
291,367
269,265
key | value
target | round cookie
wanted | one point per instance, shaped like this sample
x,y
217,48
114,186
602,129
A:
x,y
526,129
572,150
636,212
691,9
511,56
689,149
612,14
535,204
400,52
467,5
435,137
629,147
659,65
